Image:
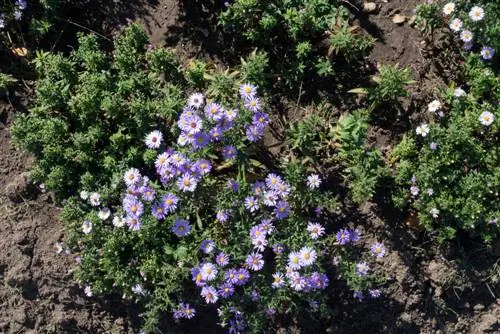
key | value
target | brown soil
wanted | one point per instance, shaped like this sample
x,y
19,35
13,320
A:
x,y
431,290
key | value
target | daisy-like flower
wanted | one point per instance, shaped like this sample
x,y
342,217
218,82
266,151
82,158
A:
x,y
203,167
343,236
422,130
258,188
476,13
104,214
222,259
177,159
278,248
230,276
486,118
257,232
222,216
466,36
158,211
133,223
208,271
374,293
414,190
147,194
132,177
215,134
196,100
434,106
358,295
214,111
273,181
253,104
95,199
187,311
270,198
87,227
254,133
259,244
181,227
434,212
487,52
251,204
266,226
378,249
448,8
459,92
255,261
207,246
169,202
362,269
210,294
278,280
57,247
226,290
247,90
307,256
294,260
187,183
456,25
192,124
260,119
88,291
313,181
154,139
196,275
84,195
319,281
119,221
242,276
134,207
229,152
231,114
138,290
201,139
315,230
282,210
297,282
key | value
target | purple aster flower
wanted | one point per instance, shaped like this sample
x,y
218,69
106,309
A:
x,y
307,256
254,133
255,261
158,211
358,295
214,111
177,313
487,52
278,280
162,161
132,177
297,282
233,185
259,243
343,236
355,235
222,216
197,278
319,281
148,193
266,226
278,248
414,190
187,183
362,268
294,261
181,227
18,14
133,223
258,188
215,134
282,210
374,293
229,152
231,276
134,207
260,119
251,204
273,181
208,271
253,104
466,36
22,4
247,90
255,296
222,259
169,202
242,276
201,140
207,246
283,189
210,294
270,312
154,139
192,124
433,146
230,114
224,124
226,290
315,230
270,197
203,166
378,249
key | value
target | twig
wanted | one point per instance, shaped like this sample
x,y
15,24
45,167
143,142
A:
x,y
492,294
350,4
83,27
300,93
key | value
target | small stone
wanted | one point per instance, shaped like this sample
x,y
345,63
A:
x,y
369,7
412,19
478,307
398,19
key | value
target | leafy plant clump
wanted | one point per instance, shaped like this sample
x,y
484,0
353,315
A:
x,y
300,37
448,171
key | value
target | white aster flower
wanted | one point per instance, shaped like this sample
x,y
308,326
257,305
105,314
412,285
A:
x,y
434,106
423,130
119,221
88,291
486,118
195,100
434,212
307,256
476,13
95,199
104,214
459,92
456,25
84,195
466,36
154,139
448,8
87,227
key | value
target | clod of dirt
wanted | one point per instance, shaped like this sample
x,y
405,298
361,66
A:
x,y
369,7
398,19
18,188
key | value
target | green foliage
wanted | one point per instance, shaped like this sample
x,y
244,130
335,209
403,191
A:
x,y
254,68
364,166
391,83
6,80
455,185
294,34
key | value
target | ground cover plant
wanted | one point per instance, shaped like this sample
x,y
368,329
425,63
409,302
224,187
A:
x,y
302,38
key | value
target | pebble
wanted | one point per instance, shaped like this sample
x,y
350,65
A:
x,y
369,7
398,19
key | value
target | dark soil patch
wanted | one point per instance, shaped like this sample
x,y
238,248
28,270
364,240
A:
x,y
430,289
